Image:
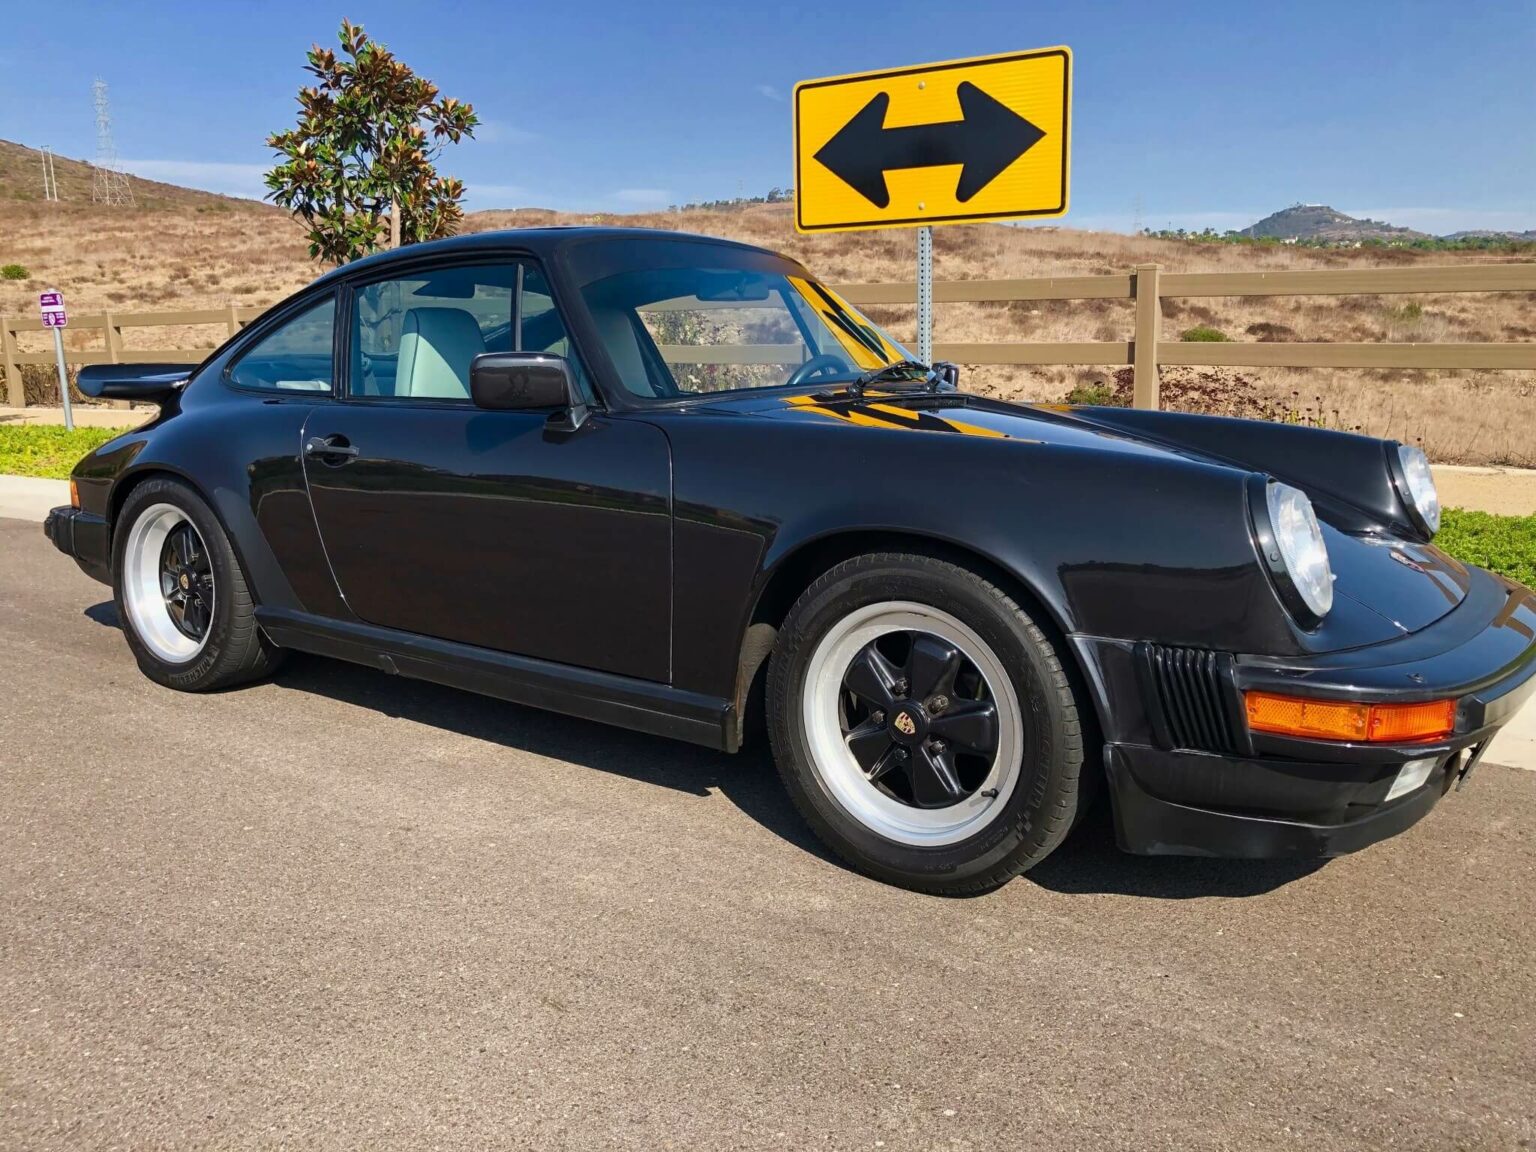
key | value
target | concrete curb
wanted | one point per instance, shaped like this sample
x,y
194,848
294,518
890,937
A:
x,y
26,498
86,416
1504,491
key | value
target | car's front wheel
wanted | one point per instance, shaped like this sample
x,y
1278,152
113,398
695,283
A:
x,y
923,724
183,600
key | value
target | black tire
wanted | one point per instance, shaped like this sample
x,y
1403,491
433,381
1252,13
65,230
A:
x,y
1043,805
235,651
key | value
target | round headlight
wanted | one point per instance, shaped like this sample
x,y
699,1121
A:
x,y
1420,482
1303,553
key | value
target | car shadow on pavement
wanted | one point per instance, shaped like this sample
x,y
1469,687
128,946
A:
x,y
104,613
747,779
1090,862
1087,863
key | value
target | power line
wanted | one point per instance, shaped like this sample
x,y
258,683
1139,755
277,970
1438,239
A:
x,y
110,185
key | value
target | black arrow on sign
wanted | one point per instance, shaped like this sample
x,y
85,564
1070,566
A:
x,y
987,138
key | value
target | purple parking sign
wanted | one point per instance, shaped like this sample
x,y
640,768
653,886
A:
x,y
51,305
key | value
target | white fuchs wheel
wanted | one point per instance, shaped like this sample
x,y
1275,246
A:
x,y
187,612
913,723
923,723
168,584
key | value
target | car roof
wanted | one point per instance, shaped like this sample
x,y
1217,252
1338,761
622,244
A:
x,y
542,242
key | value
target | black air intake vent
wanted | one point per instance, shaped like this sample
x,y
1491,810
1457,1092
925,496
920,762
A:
x,y
1191,701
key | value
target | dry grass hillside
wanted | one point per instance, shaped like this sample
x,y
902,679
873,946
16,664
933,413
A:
x,y
180,249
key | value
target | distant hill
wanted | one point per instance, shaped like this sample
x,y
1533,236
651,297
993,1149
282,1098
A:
x,y
1320,222
21,179
1529,235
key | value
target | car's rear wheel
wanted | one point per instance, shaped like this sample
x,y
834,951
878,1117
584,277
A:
x,y
182,598
924,725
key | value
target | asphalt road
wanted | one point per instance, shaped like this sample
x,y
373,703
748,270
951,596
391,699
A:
x,y
344,910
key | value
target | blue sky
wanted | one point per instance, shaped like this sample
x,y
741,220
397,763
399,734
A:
x,y
1184,114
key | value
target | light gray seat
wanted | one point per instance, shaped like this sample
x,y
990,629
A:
x,y
617,330
436,348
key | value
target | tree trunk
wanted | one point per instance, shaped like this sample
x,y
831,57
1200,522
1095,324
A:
x,y
394,223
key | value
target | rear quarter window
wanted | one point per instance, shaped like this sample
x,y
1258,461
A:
x,y
296,356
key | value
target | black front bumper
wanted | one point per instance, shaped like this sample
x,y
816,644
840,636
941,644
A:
x,y
82,536
1322,817
1229,792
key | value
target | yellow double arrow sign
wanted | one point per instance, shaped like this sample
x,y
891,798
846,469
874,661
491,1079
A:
x,y
978,139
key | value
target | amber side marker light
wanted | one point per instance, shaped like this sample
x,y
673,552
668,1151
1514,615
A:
x,y
1343,720
74,494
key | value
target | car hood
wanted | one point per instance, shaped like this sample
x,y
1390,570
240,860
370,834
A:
x,y
1404,582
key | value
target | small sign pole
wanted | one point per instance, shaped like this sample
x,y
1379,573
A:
x,y
58,350
925,294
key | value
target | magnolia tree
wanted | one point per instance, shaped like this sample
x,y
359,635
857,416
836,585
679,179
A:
x,y
359,167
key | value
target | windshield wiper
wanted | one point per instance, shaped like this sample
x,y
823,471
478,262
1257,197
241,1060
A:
x,y
889,373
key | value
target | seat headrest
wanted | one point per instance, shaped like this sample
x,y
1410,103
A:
x,y
437,346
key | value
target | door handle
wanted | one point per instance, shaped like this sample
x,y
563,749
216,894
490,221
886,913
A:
x,y
326,446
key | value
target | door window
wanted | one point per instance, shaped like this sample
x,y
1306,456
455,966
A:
x,y
294,357
415,337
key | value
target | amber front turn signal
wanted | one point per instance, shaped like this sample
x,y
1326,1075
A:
x,y
1346,720
74,493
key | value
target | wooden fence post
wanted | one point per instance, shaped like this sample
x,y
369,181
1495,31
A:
x,y
234,320
114,350
114,338
15,391
1149,324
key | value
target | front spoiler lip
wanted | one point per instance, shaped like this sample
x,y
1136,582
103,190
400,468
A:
x,y
1149,825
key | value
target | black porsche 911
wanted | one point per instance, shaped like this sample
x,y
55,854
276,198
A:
x,y
674,483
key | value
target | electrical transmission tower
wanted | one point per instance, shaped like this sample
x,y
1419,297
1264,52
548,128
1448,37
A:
x,y
110,185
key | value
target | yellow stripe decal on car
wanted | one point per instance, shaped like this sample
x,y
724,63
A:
x,y
878,415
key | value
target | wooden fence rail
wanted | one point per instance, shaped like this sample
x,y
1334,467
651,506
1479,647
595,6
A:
x,y
110,326
1146,285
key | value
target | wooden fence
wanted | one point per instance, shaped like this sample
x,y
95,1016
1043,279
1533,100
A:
x,y
1146,285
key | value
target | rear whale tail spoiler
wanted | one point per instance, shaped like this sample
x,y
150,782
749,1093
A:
x,y
153,382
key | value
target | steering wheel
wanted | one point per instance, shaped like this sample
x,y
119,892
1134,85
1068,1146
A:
x,y
827,362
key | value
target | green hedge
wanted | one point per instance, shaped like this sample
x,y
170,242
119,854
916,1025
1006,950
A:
x,y
1504,544
47,450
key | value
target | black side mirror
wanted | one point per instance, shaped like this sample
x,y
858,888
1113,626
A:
x,y
948,372
526,381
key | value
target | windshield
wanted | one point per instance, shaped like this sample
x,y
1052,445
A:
x,y
679,331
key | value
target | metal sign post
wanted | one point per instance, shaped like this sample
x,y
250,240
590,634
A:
x,y
925,294
51,305
984,138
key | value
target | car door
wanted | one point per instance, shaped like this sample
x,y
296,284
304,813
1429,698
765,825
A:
x,y
489,528
276,377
